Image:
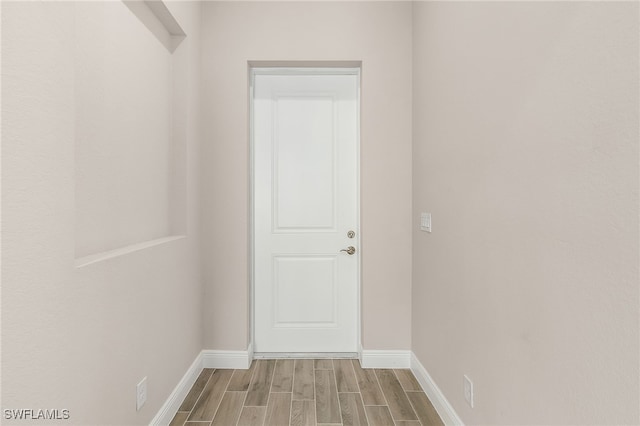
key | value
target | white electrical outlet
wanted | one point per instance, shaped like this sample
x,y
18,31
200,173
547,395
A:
x,y
468,390
141,393
425,222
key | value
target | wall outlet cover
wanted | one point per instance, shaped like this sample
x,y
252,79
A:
x,y
141,393
425,222
468,390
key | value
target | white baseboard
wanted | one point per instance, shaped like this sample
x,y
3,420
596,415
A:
x,y
369,359
435,395
385,359
237,360
171,405
205,359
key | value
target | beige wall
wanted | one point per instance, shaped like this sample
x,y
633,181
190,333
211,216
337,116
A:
x,y
379,35
526,152
117,202
82,338
525,149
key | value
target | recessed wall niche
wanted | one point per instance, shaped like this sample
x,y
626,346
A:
x,y
130,151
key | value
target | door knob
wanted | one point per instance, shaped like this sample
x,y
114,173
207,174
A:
x,y
349,250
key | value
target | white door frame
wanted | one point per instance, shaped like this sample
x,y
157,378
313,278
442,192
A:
x,y
253,71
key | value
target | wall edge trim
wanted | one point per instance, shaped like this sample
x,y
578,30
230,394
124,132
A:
x,y
236,360
435,395
385,358
240,360
170,407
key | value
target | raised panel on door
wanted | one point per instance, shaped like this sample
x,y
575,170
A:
x,y
303,163
316,301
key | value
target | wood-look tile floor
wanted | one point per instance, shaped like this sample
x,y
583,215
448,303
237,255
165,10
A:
x,y
288,392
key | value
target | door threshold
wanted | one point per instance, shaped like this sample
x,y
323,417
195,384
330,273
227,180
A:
x,y
305,355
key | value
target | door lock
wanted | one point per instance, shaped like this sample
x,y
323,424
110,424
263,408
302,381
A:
x,y
349,250
351,234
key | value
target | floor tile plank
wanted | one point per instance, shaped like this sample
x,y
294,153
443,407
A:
x,y
306,392
303,380
283,376
260,383
352,410
397,400
196,390
303,413
327,406
229,409
278,410
252,416
424,409
179,418
323,364
368,384
207,404
408,380
242,378
345,376
379,415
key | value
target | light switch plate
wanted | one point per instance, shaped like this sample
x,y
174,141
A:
x,y
425,222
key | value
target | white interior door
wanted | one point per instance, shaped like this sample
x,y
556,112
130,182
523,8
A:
x,y
305,147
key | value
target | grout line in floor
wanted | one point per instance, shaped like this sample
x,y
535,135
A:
x,y
314,400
